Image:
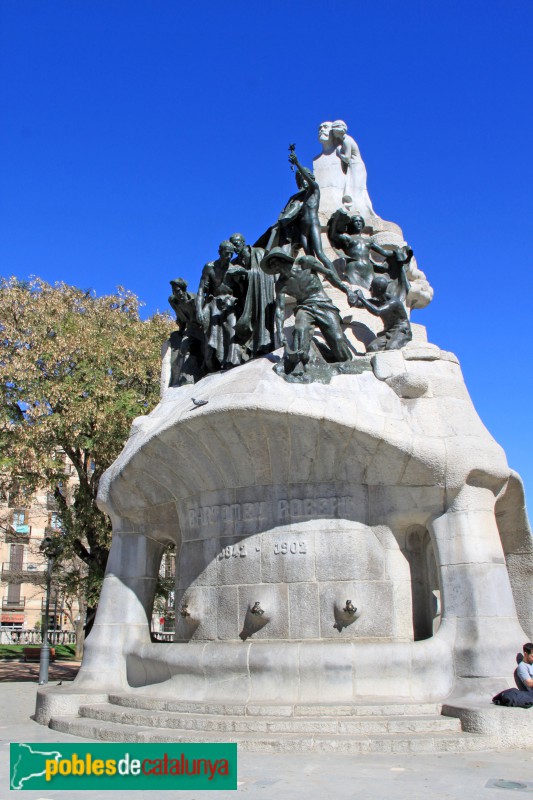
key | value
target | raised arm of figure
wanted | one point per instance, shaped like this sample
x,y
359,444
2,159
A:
x,y
337,228
304,172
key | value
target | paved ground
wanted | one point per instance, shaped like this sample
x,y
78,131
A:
x,y
310,777
11,671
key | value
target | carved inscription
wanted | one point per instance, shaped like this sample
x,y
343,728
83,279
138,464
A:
x,y
233,551
276,512
290,548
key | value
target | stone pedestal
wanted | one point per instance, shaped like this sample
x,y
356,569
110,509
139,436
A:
x,y
382,491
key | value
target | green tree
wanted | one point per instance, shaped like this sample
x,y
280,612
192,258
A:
x,y
75,370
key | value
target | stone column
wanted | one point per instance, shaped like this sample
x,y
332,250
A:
x,y
123,617
475,586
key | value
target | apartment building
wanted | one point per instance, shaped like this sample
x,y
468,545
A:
x,y
24,522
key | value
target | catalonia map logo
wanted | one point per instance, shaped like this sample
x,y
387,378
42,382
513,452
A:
x,y
100,765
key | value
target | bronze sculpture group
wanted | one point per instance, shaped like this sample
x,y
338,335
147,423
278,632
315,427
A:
x,y
239,310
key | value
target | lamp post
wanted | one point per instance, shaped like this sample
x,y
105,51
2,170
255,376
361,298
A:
x,y
51,546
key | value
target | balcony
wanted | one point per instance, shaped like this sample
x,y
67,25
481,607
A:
x,y
13,605
28,572
53,601
18,534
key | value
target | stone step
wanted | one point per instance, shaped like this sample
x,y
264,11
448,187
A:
x,y
368,709
436,742
360,725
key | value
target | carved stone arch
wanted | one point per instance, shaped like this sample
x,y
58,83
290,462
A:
x,y
425,583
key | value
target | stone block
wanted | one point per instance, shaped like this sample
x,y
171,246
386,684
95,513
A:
x,y
226,672
304,622
238,562
273,670
375,675
326,672
396,565
375,612
388,364
420,335
279,453
273,598
467,537
408,386
399,507
228,612
196,564
354,554
421,352
207,514
391,457
477,590
201,622
426,466
287,557
134,556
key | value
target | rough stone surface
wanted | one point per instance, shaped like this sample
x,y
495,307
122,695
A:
x,y
383,489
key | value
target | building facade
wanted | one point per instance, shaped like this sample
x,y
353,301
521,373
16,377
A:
x,y
24,522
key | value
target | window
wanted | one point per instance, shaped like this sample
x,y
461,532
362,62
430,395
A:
x,y
19,521
55,521
19,496
19,518
51,502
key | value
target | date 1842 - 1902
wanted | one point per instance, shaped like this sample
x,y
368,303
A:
x,y
280,548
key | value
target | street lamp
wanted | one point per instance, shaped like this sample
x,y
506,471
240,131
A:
x,y
51,547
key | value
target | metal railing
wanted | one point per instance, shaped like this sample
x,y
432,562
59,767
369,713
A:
x,y
54,602
18,533
27,571
13,605
33,636
159,636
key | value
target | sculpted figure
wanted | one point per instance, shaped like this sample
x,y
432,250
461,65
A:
x,y
216,304
188,341
394,268
396,328
345,233
341,173
255,326
324,136
298,225
300,279
355,194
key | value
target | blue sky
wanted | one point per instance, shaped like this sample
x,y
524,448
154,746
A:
x,y
135,136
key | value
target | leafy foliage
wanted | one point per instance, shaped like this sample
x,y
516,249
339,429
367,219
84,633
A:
x,y
75,370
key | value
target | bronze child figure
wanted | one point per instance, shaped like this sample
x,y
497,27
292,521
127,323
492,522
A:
x,y
396,327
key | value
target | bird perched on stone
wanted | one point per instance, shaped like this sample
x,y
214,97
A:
x,y
199,403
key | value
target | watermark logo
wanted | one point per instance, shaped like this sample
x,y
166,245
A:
x,y
169,765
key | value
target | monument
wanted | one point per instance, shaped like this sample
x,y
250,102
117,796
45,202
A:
x,y
351,542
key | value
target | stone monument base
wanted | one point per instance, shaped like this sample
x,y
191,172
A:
x,y
370,727
341,548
